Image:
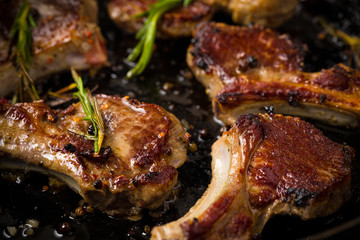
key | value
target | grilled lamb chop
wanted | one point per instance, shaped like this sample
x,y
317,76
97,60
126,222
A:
x,y
175,23
270,13
180,22
266,165
136,168
246,69
66,35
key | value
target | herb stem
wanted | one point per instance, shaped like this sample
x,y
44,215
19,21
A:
x,y
29,83
92,112
352,41
146,35
21,37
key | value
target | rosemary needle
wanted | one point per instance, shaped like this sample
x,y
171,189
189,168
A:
x,y
21,37
352,41
146,35
92,112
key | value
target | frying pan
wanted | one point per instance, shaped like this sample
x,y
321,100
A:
x,y
168,82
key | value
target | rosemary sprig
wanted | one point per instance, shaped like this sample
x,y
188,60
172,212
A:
x,y
146,35
21,36
60,93
352,41
92,112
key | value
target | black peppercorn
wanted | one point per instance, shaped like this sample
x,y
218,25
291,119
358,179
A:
x,y
91,130
322,98
98,184
252,61
269,109
203,133
70,147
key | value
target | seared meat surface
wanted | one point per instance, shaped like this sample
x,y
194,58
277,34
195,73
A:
x,y
180,22
266,165
249,69
175,23
270,13
66,35
143,146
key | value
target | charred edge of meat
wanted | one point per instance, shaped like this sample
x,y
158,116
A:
x,y
232,94
300,197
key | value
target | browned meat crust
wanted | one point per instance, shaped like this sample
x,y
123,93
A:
x,y
180,22
271,13
142,148
175,23
229,48
66,35
246,68
293,158
266,165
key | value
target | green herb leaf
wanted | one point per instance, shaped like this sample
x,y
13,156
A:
x,y
92,112
21,37
146,35
187,2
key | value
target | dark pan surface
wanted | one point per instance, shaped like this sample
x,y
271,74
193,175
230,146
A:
x,y
186,98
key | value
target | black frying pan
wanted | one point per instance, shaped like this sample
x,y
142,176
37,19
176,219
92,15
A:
x,y
188,101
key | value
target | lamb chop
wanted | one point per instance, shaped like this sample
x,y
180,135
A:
x,y
143,146
180,22
175,23
252,69
66,35
263,166
271,13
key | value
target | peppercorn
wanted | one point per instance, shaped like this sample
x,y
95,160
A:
x,y
70,147
98,184
64,228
